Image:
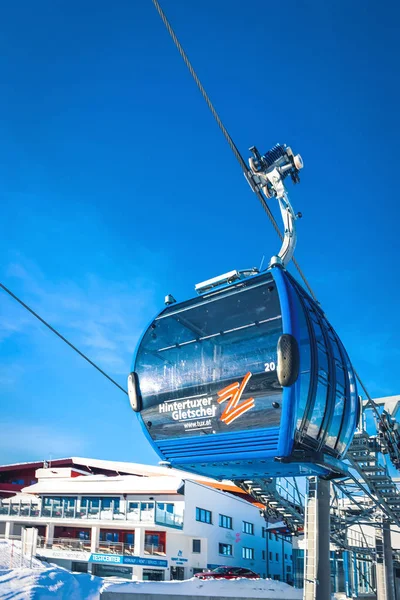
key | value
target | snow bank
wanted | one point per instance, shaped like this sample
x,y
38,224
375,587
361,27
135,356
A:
x,y
41,582
48,584
10,556
243,588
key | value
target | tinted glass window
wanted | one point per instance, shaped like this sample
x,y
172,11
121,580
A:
x,y
225,521
322,361
203,515
248,527
351,412
248,553
220,570
225,549
210,341
193,361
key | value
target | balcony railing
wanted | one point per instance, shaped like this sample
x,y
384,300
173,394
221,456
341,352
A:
x,y
65,544
73,545
154,550
116,548
20,510
155,515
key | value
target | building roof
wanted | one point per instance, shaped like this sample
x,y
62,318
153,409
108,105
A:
x,y
94,465
109,472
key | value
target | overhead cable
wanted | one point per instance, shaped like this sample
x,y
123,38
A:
x,y
64,339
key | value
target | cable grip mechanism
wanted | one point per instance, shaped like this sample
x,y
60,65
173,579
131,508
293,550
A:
x,y
267,174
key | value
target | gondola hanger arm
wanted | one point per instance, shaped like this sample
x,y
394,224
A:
x,y
266,175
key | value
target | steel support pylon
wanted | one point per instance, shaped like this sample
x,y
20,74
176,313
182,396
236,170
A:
x,y
317,567
384,563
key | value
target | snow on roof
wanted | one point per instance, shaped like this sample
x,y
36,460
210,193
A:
x,y
19,497
98,484
126,468
137,468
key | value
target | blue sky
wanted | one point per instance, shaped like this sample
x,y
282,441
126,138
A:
x,y
117,188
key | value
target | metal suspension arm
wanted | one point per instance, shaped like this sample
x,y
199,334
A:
x,y
267,174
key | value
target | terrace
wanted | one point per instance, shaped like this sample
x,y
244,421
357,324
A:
x,y
92,509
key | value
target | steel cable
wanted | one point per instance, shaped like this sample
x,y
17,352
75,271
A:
x,y
35,314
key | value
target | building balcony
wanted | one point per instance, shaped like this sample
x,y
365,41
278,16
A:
x,y
156,516
68,545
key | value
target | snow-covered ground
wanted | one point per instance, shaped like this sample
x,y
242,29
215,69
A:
x,y
238,588
49,582
11,556
41,582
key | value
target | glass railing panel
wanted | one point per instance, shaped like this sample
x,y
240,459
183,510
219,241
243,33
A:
x,y
69,544
115,548
169,519
133,515
147,516
154,550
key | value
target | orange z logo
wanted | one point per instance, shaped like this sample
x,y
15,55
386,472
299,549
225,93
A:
x,y
233,393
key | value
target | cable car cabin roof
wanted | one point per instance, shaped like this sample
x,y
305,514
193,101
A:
x,y
246,380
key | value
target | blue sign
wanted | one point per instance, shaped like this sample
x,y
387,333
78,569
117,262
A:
x,y
117,559
178,559
146,562
111,559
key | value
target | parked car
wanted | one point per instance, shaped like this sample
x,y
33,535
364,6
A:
x,y
228,573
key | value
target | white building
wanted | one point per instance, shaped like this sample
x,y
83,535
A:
x,y
154,523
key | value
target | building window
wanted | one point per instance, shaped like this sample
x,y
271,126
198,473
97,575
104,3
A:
x,y
270,556
277,556
95,504
225,522
263,554
264,532
277,577
204,516
285,556
196,546
225,549
58,506
109,536
248,553
248,528
169,508
154,542
269,535
288,568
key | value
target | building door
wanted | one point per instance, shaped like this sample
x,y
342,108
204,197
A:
x,y
79,567
153,575
178,573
